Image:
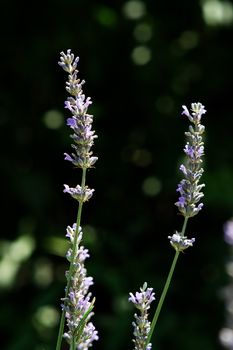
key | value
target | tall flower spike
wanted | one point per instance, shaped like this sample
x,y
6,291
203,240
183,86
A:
x,y
189,187
80,122
142,301
78,303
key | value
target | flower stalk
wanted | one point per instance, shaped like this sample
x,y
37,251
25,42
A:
x,y
190,193
142,301
77,302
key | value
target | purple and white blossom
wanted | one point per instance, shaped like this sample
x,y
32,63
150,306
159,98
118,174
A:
x,y
142,301
180,242
78,301
82,194
80,121
189,189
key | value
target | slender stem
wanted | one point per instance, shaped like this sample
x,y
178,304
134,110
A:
x,y
74,250
72,345
184,226
166,286
163,295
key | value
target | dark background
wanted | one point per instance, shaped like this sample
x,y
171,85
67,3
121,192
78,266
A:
x,y
142,61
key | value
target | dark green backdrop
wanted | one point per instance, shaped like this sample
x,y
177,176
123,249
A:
x,y
141,62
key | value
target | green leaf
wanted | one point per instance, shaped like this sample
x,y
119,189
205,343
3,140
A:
x,y
83,322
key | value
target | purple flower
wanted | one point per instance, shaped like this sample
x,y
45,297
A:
x,y
68,157
183,169
68,62
194,152
181,202
72,122
79,193
83,254
189,150
80,122
78,300
185,111
189,187
142,301
197,110
77,304
180,242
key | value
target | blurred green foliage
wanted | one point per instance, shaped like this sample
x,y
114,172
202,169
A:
x,y
142,60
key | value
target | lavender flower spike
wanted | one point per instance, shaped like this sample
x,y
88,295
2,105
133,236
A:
x,y
142,301
78,303
189,187
80,121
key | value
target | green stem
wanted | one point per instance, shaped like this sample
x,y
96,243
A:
x,y
184,226
72,345
166,286
78,221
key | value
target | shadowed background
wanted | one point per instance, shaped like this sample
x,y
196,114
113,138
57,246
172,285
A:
x,y
142,60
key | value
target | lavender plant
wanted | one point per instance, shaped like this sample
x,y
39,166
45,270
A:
x,y
189,190
77,303
142,301
77,307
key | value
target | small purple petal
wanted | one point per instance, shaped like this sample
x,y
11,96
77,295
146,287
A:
x,y
183,169
132,298
71,122
181,202
68,157
185,111
68,105
200,206
200,151
66,189
189,150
